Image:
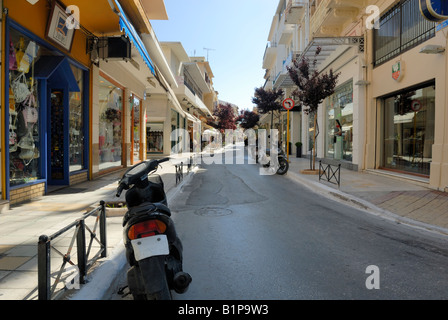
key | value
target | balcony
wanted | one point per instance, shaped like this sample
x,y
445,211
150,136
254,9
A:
x,y
283,80
295,9
331,16
270,55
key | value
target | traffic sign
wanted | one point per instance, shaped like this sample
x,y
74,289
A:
x,y
288,104
416,105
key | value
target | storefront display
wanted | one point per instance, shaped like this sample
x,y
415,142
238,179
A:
x,y
154,137
136,129
409,130
46,114
339,138
110,124
76,120
24,146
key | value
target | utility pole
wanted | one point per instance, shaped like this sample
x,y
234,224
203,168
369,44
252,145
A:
x,y
208,50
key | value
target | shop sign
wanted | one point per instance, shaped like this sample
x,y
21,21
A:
x,y
397,70
59,28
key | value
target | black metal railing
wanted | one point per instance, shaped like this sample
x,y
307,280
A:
x,y
47,289
331,175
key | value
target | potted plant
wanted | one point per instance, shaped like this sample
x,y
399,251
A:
x,y
299,149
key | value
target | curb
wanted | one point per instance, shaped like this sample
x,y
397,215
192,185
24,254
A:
x,y
114,267
363,205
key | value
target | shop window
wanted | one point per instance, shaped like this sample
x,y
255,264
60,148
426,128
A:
x,y
409,131
154,137
110,124
339,137
136,125
76,129
24,122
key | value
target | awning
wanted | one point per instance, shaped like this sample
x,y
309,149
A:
x,y
131,33
57,70
329,46
192,118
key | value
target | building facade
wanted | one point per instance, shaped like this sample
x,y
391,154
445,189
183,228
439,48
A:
x,y
78,91
390,99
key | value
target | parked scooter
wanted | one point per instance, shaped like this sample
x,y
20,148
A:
x,y
282,161
153,249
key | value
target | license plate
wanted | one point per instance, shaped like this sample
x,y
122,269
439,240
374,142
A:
x,y
150,247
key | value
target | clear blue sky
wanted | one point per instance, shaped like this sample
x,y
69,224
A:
x,y
236,30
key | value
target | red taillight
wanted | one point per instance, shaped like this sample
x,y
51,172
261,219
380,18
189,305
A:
x,y
146,229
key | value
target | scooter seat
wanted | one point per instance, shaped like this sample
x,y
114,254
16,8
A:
x,y
163,209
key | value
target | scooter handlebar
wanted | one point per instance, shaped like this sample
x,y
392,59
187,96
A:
x,y
119,190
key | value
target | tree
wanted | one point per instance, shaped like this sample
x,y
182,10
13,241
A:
x,y
268,101
247,119
225,118
313,88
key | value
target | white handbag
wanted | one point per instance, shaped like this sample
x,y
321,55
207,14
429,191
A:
x,y
20,88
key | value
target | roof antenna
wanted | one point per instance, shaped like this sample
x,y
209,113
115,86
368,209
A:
x,y
208,50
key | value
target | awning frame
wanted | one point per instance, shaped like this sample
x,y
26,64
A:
x,y
131,33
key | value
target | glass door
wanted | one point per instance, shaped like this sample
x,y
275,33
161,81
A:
x,y
58,173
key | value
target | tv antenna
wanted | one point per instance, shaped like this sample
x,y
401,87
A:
x,y
208,50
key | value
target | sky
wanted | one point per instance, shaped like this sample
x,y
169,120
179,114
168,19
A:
x,y
235,30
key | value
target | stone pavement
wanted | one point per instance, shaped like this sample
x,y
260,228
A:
x,y
388,194
21,226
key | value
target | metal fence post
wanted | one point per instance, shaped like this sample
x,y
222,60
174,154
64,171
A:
x,y
81,249
103,234
43,268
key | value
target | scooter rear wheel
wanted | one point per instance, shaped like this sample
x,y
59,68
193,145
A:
x,y
284,166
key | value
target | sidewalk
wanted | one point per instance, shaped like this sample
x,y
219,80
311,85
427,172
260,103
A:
x,y
21,226
380,193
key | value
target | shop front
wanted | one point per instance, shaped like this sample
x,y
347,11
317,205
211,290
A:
x,y
408,128
339,124
46,116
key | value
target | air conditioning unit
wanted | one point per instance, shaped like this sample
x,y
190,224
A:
x,y
114,48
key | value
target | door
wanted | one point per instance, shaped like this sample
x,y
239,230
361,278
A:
x,y
58,166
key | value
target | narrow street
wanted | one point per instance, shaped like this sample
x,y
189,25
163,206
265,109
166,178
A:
x,y
251,236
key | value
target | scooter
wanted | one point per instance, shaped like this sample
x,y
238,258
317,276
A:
x,y
153,249
282,161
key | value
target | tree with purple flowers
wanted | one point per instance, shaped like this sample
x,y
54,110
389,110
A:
x,y
313,88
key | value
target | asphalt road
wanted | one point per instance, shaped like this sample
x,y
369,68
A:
x,y
248,236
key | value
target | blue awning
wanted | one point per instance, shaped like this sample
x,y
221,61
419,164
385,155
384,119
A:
x,y
57,70
132,34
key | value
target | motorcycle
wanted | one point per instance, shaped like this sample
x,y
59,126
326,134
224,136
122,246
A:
x,y
282,161
153,249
